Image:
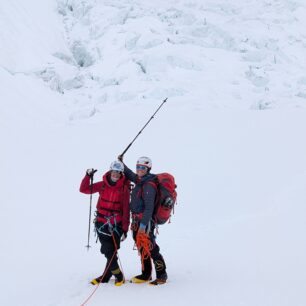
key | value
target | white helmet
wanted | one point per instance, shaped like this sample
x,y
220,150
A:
x,y
117,166
144,161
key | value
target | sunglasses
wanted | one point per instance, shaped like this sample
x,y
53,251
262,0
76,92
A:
x,y
140,167
115,171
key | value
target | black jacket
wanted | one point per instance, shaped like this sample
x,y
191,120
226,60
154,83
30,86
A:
x,y
143,195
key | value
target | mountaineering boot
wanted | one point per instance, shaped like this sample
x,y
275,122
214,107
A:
x,y
101,279
145,275
119,278
162,279
141,278
104,278
161,274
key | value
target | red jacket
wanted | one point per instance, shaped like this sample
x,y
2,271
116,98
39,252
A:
x,y
113,200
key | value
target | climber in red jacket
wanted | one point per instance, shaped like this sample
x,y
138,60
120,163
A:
x,y
112,216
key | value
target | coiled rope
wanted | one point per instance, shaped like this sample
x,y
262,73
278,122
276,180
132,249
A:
x,y
144,246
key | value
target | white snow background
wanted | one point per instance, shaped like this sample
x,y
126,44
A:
x,y
78,80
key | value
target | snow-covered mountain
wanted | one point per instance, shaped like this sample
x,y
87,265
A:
x,y
242,54
80,78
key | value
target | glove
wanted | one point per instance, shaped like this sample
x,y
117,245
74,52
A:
x,y
123,236
90,172
120,157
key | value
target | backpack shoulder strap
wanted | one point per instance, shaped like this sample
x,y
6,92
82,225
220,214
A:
x,y
152,183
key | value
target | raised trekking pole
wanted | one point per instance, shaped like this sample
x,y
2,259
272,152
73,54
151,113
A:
x,y
89,222
121,155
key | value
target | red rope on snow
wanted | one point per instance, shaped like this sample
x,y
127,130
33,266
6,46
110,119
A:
x,y
93,292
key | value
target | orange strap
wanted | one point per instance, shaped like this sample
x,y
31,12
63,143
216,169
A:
x,y
144,246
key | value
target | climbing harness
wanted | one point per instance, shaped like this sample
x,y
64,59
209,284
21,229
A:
x,y
108,228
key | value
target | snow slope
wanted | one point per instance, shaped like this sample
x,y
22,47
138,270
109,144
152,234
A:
x,y
236,148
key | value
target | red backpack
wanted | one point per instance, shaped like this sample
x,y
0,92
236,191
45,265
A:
x,y
165,197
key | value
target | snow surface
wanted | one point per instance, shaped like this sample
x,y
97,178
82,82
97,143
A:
x,y
78,81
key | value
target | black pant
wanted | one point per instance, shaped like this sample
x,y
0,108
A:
x,y
108,248
158,260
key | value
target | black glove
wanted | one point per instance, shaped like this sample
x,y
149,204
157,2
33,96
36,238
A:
x,y
124,235
90,172
120,157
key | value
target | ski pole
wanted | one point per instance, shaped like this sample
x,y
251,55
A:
x,y
121,155
91,183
